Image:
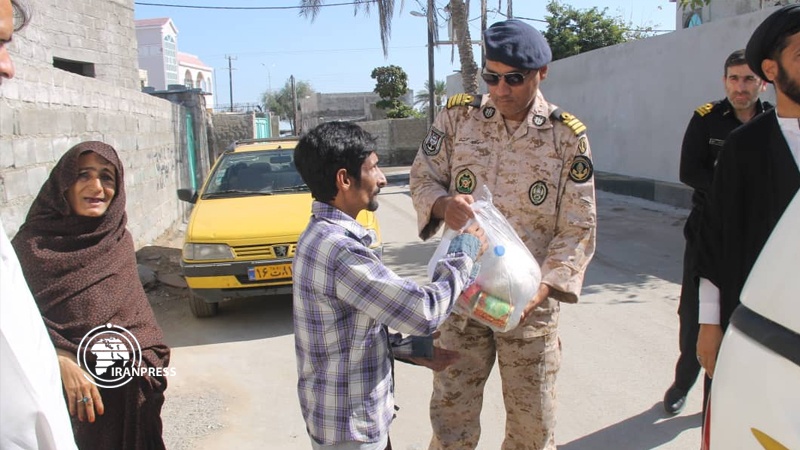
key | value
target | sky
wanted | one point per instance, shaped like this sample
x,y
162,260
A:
x,y
337,52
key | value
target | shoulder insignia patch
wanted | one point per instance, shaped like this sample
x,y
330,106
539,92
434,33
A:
x,y
463,100
537,193
433,142
539,120
569,120
581,169
705,109
583,144
488,112
465,182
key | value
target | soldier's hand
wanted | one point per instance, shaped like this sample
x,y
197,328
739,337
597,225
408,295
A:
x,y
708,341
455,210
476,230
538,298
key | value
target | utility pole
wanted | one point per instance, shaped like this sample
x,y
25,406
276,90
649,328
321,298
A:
x,y
431,81
230,77
294,106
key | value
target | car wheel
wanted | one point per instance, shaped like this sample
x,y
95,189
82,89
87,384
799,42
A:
x,y
201,308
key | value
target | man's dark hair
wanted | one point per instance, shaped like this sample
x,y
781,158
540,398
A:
x,y
21,14
328,148
735,59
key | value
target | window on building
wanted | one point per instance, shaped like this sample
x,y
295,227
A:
x,y
188,81
79,67
170,60
201,82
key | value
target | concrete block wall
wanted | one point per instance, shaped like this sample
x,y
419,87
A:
x,y
93,31
229,127
397,139
45,111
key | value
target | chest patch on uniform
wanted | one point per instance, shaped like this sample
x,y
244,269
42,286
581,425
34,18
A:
x,y
717,142
581,169
539,120
583,144
465,182
488,112
538,192
433,142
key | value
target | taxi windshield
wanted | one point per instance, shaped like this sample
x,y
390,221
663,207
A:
x,y
255,173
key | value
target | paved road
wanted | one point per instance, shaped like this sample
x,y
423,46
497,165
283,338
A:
x,y
236,372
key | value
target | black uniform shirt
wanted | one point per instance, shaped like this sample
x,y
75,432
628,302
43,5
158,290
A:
x,y
710,126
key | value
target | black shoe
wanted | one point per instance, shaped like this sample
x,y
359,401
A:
x,y
674,400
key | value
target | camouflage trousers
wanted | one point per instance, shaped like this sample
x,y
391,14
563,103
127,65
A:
x,y
528,368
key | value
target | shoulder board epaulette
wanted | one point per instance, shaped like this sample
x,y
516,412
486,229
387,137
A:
x,y
464,100
569,120
705,109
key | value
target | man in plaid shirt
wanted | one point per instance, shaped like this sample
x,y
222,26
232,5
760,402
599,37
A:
x,y
345,299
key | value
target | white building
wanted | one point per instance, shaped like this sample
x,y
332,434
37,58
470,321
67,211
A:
x,y
165,65
158,51
197,75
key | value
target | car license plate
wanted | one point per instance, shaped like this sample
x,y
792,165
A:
x,y
271,272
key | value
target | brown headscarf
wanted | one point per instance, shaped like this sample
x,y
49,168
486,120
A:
x,y
82,270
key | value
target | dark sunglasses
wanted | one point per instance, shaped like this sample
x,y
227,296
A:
x,y
512,78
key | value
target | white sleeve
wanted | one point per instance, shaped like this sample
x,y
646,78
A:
x,y
709,303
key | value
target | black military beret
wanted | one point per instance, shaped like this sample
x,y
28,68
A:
x,y
765,39
516,44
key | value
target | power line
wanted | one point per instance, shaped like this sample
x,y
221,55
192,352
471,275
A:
x,y
357,2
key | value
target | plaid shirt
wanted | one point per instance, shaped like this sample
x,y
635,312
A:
x,y
344,300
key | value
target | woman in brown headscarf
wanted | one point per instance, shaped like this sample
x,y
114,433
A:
x,y
80,264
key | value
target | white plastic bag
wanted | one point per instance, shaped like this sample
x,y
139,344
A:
x,y
508,277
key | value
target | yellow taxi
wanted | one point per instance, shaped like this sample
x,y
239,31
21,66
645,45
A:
x,y
243,230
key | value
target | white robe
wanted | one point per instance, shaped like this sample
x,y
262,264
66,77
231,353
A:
x,y
33,414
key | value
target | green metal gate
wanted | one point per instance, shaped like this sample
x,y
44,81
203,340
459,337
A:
x,y
191,153
262,128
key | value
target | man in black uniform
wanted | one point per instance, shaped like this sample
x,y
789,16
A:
x,y
755,179
707,131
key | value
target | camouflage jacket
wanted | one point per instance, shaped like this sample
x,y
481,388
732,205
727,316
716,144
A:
x,y
541,179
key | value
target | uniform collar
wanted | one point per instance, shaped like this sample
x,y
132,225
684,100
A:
x,y
538,116
727,108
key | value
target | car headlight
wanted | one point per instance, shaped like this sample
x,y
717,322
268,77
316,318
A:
x,y
206,251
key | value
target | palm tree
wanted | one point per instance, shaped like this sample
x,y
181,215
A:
x,y
458,9
310,8
439,92
469,70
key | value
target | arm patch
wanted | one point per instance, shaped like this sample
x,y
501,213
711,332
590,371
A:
x,y
569,120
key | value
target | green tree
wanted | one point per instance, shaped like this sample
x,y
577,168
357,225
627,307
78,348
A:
x,y
422,100
391,83
281,102
571,31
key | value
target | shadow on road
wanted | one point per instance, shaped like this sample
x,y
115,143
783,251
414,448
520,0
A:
x,y
238,320
647,430
243,319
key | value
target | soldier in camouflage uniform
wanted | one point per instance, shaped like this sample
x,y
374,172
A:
x,y
536,161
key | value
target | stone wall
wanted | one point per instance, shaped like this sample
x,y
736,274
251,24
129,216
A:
x,y
229,127
398,139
